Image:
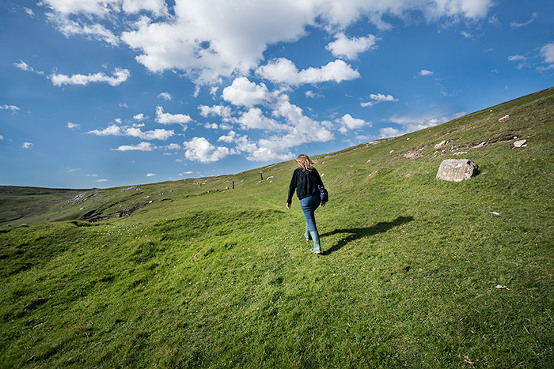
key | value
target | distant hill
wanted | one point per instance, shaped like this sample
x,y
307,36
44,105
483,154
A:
x,y
214,272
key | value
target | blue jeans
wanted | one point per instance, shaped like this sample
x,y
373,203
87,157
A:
x,y
308,205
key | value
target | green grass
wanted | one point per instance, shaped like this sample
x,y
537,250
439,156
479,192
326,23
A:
x,y
225,279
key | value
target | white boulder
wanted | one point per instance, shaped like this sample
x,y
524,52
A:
x,y
457,170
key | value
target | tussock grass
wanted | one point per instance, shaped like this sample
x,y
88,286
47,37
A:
x,y
206,278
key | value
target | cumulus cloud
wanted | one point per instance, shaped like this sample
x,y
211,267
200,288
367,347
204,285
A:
x,y
425,72
102,8
165,95
119,76
139,116
287,127
9,107
174,146
378,98
143,146
156,7
216,110
27,145
254,119
349,48
347,123
151,175
284,71
114,130
210,38
26,67
298,129
1,137
245,93
200,149
72,125
167,118
389,132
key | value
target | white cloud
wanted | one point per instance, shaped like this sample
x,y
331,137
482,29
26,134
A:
x,y
547,52
174,146
349,48
1,137
211,125
299,129
254,119
139,116
411,124
102,180
150,175
156,7
26,145
29,12
516,58
73,170
114,130
156,134
216,110
102,8
143,146
26,67
72,125
200,149
165,95
389,132
69,27
378,98
246,93
111,130
516,25
348,122
119,76
167,118
9,107
425,72
212,38
284,71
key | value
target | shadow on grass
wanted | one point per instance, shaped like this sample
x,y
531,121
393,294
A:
x,y
356,233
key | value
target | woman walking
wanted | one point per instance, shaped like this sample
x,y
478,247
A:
x,y
305,180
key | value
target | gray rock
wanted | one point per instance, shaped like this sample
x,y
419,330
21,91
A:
x,y
457,170
520,143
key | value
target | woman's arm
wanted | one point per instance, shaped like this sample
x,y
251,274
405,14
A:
x,y
292,188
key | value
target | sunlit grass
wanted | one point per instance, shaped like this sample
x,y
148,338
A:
x,y
416,272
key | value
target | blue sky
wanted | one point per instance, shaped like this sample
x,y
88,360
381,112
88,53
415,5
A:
x,y
104,93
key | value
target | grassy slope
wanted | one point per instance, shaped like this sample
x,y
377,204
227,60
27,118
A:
x,y
225,278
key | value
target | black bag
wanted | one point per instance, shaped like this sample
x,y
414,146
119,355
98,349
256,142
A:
x,y
323,194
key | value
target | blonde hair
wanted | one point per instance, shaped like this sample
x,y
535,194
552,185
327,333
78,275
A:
x,y
305,163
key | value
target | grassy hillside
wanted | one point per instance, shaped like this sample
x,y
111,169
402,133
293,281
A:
x,y
417,272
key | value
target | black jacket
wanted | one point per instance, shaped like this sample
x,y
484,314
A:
x,y
303,184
